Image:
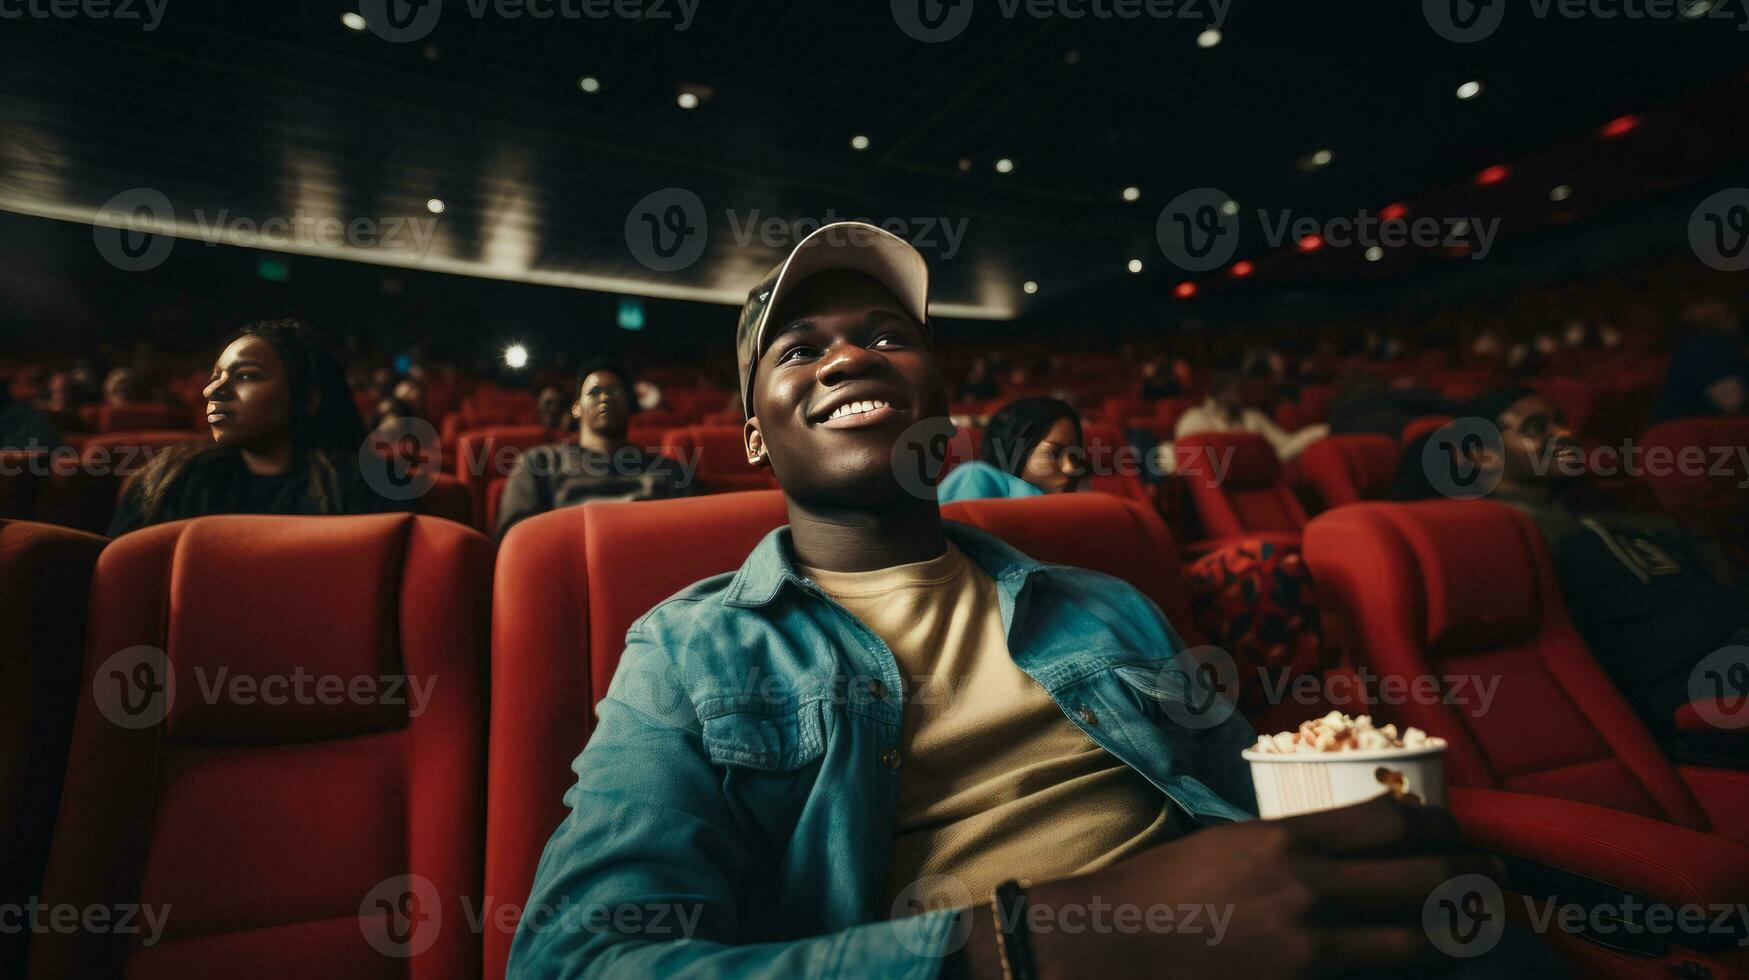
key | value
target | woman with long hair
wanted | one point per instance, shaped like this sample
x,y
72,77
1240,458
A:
x,y
1031,446
286,439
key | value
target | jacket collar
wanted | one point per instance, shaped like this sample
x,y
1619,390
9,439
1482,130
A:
x,y
769,566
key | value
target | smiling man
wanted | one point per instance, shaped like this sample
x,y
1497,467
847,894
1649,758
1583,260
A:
x,y
849,756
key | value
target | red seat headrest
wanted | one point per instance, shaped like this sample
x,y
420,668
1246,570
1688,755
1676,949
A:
x,y
1478,572
1234,460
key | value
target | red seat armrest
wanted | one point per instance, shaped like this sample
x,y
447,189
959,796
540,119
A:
x,y
1657,860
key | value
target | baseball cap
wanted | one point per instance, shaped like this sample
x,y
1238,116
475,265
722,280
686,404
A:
x,y
855,245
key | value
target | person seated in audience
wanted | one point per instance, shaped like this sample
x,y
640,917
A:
x,y
1650,597
1225,411
1709,372
980,382
123,386
285,439
995,735
1160,381
1031,446
552,408
601,464
22,426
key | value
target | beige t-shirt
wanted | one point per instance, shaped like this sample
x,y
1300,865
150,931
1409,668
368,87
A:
x,y
995,782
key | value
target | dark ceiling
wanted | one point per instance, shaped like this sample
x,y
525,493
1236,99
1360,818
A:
x,y
273,109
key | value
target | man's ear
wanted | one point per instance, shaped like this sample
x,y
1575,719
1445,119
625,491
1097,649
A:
x,y
577,409
754,440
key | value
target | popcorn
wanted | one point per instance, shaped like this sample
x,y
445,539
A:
x,y
1337,732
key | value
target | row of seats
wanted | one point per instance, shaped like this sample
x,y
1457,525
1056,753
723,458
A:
x,y
283,835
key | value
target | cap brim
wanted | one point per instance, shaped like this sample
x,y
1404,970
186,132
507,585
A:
x,y
875,252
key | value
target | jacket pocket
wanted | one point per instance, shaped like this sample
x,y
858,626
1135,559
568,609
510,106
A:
x,y
773,738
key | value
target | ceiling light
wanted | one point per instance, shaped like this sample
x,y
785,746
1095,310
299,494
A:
x,y
435,205
589,83
965,165
1323,158
859,142
1029,287
516,357
1132,193
1621,126
354,21
1243,268
1209,38
1469,90
1492,175
1004,166
1560,192
1230,208
1184,290
1135,265
687,100
1310,243
1392,212
1374,254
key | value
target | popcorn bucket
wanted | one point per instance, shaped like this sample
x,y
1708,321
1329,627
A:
x,y
1288,783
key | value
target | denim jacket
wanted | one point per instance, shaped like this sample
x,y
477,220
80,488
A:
x,y
735,806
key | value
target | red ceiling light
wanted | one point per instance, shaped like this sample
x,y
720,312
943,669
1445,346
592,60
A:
x,y
1493,175
1620,126
1184,290
1392,212
1243,268
1310,243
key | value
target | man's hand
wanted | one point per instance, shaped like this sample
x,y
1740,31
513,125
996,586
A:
x,y
1325,893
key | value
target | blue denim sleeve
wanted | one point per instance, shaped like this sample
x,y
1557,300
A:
x,y
644,877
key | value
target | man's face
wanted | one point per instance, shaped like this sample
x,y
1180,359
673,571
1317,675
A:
x,y
603,403
1538,446
549,406
845,371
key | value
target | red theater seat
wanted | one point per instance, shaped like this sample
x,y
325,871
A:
x,y
45,581
721,458
274,785
566,597
1424,425
1343,469
490,454
1236,486
1697,471
1557,769
134,418
449,499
